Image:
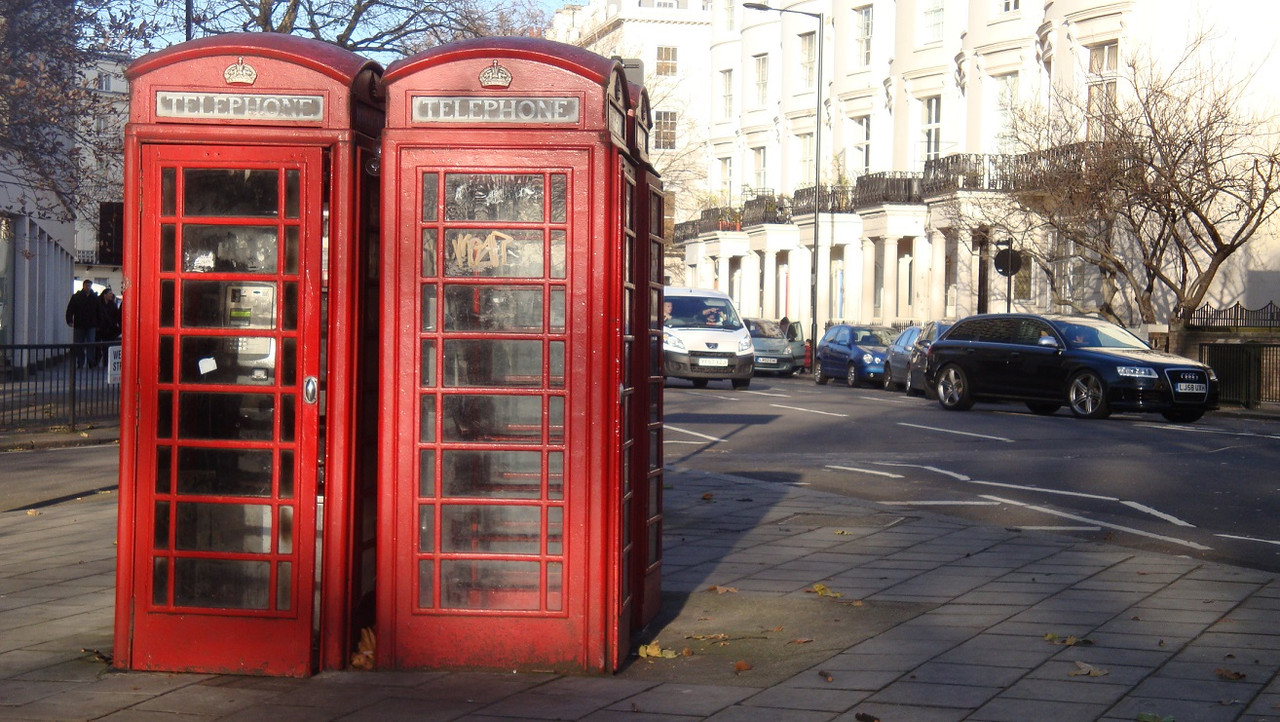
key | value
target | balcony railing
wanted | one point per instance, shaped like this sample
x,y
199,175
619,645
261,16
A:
x,y
764,209
875,189
685,232
831,199
972,172
720,219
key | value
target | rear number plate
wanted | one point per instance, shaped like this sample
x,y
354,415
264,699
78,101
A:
x,y
713,362
1191,388
766,360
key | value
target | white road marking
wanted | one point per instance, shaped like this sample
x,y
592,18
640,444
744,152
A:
x,y
1058,528
766,393
953,431
1203,430
672,441
811,411
692,433
865,471
940,503
1158,514
1249,538
1117,527
944,472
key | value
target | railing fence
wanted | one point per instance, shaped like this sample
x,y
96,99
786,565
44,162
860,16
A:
x,y
42,386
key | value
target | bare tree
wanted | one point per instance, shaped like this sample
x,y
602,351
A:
x,y
1153,184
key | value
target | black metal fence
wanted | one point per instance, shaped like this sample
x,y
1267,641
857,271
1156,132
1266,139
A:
x,y
1248,373
43,386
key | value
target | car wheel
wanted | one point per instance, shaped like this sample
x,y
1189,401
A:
x,y
788,374
1044,408
1182,416
1087,396
740,383
953,389
851,376
699,383
910,388
889,385
819,378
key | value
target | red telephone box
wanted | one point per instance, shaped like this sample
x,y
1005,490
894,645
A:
x,y
514,323
249,222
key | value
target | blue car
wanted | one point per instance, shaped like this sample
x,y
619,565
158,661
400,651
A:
x,y
854,353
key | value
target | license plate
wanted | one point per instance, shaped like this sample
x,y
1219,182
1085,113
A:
x,y
764,360
713,362
1191,388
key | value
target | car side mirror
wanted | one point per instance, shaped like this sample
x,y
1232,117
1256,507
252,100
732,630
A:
x,y
1047,342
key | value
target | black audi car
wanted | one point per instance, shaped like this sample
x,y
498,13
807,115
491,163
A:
x,y
1089,365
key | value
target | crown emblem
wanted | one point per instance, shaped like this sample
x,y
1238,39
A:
x,y
495,76
240,72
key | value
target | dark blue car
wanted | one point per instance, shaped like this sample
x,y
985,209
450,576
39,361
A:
x,y
853,353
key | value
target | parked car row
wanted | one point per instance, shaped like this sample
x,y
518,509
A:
x,y
1091,366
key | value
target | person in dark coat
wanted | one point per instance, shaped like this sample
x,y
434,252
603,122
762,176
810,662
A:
x,y
108,323
84,311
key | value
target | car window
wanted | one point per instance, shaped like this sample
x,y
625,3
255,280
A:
x,y
842,338
1031,330
702,312
1095,333
763,328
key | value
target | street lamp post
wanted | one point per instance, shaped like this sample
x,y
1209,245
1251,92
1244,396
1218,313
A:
x,y
817,171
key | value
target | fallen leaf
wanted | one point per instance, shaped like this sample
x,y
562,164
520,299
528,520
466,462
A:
x,y
1087,670
1068,641
722,590
650,650
823,590
708,637
826,675
1229,674
741,666
33,512
800,641
853,603
842,532
708,496
686,652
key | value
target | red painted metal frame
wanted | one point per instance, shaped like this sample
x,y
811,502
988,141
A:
x,y
352,119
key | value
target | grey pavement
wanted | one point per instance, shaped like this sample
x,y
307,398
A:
x,y
781,602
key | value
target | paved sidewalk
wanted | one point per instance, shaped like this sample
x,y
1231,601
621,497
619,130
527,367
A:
x,y
936,619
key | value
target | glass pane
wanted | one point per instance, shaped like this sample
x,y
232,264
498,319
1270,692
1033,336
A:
x,y
427,419
555,586
428,361
492,308
168,247
491,474
559,198
427,473
161,535
164,460
491,529
429,252
292,194
289,319
555,475
555,530
429,307
164,374
284,585
479,362
168,191
229,249
430,196
501,419
289,362
288,418
226,416
557,254
242,528
481,584
164,414
224,472
426,528
221,583
555,364
230,192
160,581
557,310
493,197
555,420
228,304
286,475
492,253
291,249
284,540
228,360
166,303
426,584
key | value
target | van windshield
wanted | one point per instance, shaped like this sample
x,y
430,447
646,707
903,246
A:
x,y
696,312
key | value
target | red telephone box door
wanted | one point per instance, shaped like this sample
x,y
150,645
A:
x,y
228,408
492,481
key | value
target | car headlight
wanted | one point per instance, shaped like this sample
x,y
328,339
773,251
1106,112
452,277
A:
x,y
868,358
670,339
1213,376
745,346
1144,372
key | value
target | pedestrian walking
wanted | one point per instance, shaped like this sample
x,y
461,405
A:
x,y
84,311
108,324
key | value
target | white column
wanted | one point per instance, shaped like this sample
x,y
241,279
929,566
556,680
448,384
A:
x,y
889,299
750,272
724,283
769,274
868,280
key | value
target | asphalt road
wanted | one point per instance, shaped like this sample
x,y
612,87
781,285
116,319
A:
x,y
1207,490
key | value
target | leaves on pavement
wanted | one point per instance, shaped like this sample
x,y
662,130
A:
x,y
1084,669
823,590
722,590
1070,640
1229,674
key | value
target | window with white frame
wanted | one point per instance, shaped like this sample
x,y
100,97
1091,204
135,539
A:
x,y
1006,99
860,145
1103,67
104,81
862,36
1007,6
729,8
808,60
664,130
804,151
726,177
666,60
759,175
726,92
761,63
932,127
930,29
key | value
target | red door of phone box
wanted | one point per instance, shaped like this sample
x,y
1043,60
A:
x,y
248,217
514,318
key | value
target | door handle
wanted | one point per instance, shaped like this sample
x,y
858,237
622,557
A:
x,y
310,389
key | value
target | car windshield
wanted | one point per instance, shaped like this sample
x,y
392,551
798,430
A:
x,y
763,328
872,336
700,312
1094,333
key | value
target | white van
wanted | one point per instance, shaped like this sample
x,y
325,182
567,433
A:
x,y
703,338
